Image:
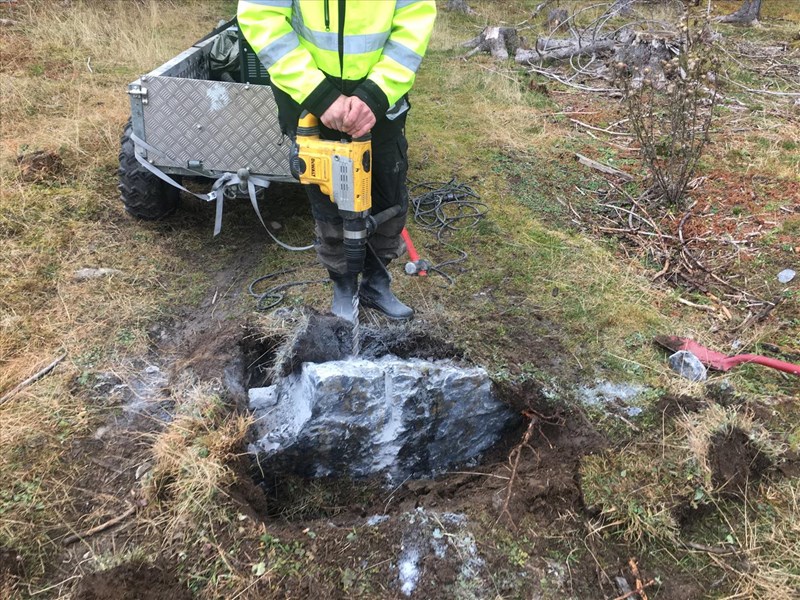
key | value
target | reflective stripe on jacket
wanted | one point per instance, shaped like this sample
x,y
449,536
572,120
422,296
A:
x,y
379,43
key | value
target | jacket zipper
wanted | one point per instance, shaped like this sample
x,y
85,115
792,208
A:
x,y
327,16
341,40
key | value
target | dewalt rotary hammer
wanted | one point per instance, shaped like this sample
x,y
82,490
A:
x,y
342,170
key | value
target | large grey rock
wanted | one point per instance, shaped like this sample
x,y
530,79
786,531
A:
x,y
687,365
360,417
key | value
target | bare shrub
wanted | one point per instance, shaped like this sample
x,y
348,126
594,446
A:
x,y
671,108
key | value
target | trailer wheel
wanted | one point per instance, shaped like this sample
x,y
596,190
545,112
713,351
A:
x,y
144,195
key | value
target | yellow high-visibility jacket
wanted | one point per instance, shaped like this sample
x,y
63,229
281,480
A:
x,y
315,50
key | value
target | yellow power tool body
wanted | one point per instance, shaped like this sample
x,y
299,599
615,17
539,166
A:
x,y
343,172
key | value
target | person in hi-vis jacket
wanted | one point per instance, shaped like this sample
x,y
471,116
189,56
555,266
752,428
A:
x,y
350,63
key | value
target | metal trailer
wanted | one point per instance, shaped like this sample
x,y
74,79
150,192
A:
x,y
183,123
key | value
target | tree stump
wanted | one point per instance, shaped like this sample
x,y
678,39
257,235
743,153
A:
x,y
500,42
459,6
747,14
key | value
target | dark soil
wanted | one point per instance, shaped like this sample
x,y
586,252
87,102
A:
x,y
735,461
10,570
674,406
319,338
40,166
546,482
131,582
790,464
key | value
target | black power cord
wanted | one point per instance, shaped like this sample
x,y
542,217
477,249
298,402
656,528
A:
x,y
438,206
445,207
273,296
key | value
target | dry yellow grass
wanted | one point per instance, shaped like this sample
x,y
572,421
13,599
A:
x,y
192,459
54,98
63,91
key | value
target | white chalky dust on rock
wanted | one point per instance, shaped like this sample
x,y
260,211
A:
x,y
361,417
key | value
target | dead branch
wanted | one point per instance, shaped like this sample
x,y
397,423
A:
x,y
632,593
639,586
764,92
613,92
597,166
72,538
33,378
567,49
593,128
710,549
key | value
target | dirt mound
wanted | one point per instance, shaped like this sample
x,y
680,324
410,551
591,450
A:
x,y
735,461
131,582
40,166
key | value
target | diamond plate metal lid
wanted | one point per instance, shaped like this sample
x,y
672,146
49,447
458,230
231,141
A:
x,y
224,126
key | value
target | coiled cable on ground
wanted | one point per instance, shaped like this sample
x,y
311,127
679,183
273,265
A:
x,y
273,296
446,207
442,207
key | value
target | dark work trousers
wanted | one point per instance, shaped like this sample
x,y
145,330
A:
x,y
389,169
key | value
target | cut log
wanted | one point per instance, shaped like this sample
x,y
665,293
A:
x,y
558,49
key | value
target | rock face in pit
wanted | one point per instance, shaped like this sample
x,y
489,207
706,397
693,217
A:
x,y
362,417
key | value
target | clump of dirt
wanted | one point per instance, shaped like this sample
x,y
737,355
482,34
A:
x,y
790,464
672,406
735,461
317,338
131,582
39,166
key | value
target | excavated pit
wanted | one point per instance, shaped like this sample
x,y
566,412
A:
x,y
407,407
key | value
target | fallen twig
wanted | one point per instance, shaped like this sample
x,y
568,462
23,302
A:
x,y
613,92
74,537
593,128
597,166
697,306
709,549
33,378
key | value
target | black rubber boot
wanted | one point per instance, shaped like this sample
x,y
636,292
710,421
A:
x,y
375,292
345,287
